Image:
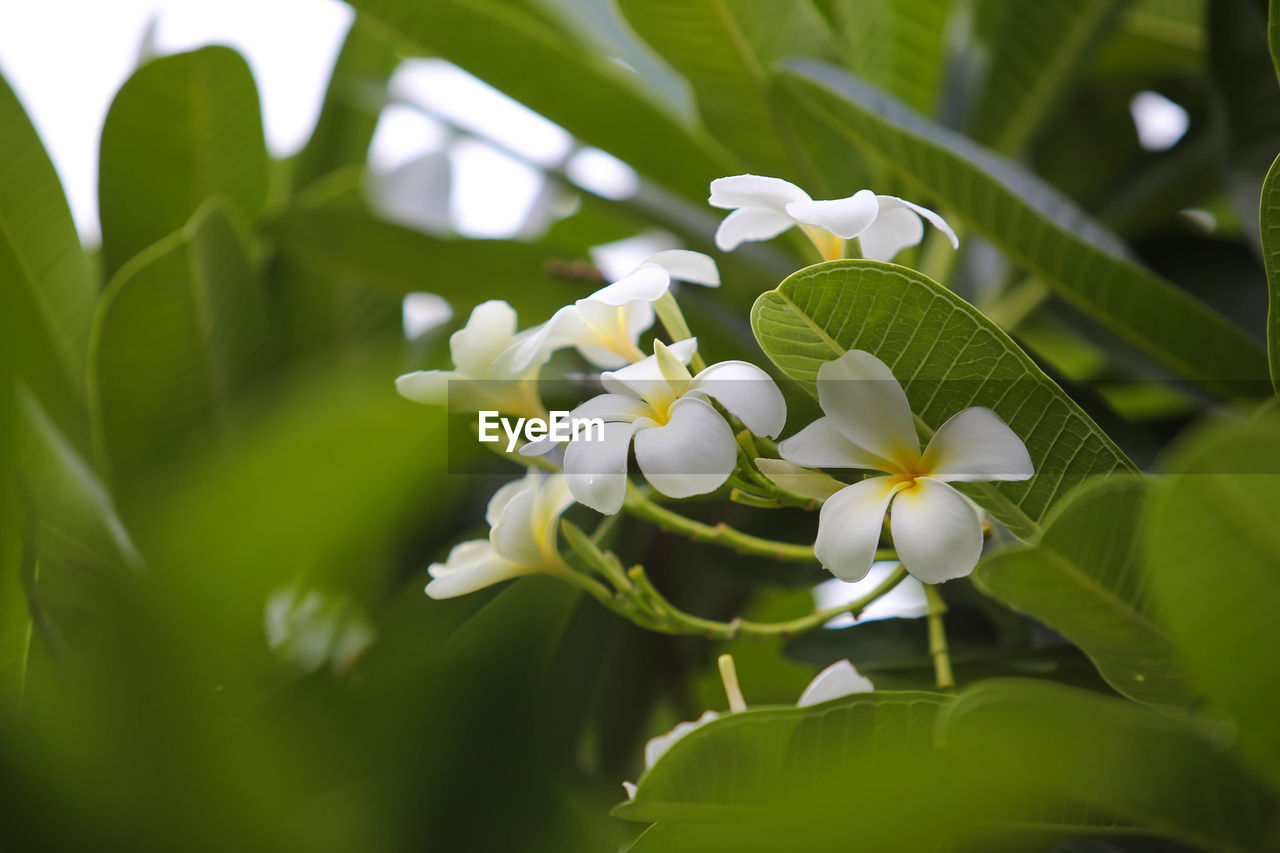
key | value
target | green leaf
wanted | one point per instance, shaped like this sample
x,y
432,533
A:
x,y
1037,227
898,46
1215,574
1085,578
948,357
1035,51
586,94
47,292
181,334
181,129
352,103
1166,773
1269,231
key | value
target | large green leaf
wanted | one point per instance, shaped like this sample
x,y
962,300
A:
x,y
1166,773
181,129
46,289
591,97
1085,578
948,357
898,46
1035,50
1269,231
1215,574
180,335
1037,227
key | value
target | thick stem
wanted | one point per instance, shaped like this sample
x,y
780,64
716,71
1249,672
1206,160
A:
x,y
938,639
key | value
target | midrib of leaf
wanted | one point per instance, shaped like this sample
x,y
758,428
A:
x,y
66,350
1269,231
1068,566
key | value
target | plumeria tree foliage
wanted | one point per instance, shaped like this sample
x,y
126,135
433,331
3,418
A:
x,y
921,478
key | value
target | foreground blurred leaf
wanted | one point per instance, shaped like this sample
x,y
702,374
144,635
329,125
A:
x,y
181,334
46,289
1035,49
181,129
1086,580
1215,574
1269,232
956,357
1083,262
593,99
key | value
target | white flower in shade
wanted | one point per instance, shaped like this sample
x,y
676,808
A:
x,y
762,208
606,326
868,424
835,682
481,357
522,517
683,445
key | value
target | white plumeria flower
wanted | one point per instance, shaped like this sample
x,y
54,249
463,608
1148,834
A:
x,y
684,446
936,530
481,355
606,326
762,208
835,682
522,516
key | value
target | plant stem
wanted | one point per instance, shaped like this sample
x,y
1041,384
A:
x,y
938,639
668,311
721,534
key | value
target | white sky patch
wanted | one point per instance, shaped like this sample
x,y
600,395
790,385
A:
x,y
404,134
906,600
614,260
492,193
424,312
1160,122
602,174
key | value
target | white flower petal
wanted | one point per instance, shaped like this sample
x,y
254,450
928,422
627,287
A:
x,y
658,746
645,283
895,229
936,531
429,387
611,407
934,219
747,392
606,334
861,395
597,470
976,446
530,481
534,346
513,536
471,566
800,481
630,789
692,454
750,223
638,378
754,191
822,445
552,499
836,681
683,265
477,345
844,217
849,527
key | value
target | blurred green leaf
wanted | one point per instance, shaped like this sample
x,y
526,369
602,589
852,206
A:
x,y
898,45
1079,259
352,103
1085,578
1269,232
949,357
589,96
181,129
1215,574
46,289
1170,774
1035,50
180,336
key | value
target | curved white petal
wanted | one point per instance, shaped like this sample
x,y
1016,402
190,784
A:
x,y
800,481
933,218
849,527
552,500
534,346
866,403
612,407
936,531
747,392
529,482
645,283
429,387
638,378
836,681
684,265
692,454
658,746
637,317
606,334
822,445
895,229
750,223
477,345
754,191
471,566
976,446
597,470
513,536
844,217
